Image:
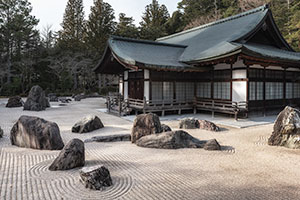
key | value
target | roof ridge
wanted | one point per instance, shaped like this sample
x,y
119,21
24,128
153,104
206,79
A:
x,y
249,12
145,41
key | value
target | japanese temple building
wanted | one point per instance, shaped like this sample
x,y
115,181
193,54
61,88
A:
x,y
237,64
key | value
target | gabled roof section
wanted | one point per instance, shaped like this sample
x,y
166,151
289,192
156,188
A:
x,y
214,39
148,54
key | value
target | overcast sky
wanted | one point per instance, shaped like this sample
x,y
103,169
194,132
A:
x,y
50,12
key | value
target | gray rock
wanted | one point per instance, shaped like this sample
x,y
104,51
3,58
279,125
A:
x,y
95,178
52,97
207,125
36,133
87,124
165,128
1,133
70,157
212,145
189,123
145,124
36,100
286,130
14,102
64,100
79,97
170,140
110,138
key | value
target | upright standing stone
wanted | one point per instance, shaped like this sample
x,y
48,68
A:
x,y
145,124
70,157
36,133
286,130
36,100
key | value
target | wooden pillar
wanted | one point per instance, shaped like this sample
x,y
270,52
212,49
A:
x,y
264,93
284,87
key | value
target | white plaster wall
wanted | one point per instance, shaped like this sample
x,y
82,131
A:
x,y
257,66
240,73
146,74
239,91
292,69
121,87
238,64
126,90
126,75
275,68
222,66
147,90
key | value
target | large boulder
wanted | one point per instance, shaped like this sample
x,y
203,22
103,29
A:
x,y
70,157
87,124
95,178
36,100
145,124
1,133
14,102
207,125
189,123
36,133
170,140
286,130
212,145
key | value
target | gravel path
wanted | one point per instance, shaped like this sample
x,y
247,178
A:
x,y
246,168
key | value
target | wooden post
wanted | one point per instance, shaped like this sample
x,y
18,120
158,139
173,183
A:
x,y
108,104
195,105
144,105
120,105
213,107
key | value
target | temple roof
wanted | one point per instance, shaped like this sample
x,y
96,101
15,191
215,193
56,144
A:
x,y
251,33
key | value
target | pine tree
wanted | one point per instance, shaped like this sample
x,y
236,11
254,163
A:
x,y
19,38
73,27
153,24
126,28
99,26
175,23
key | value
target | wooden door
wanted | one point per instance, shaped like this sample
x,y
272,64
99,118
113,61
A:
x,y
136,89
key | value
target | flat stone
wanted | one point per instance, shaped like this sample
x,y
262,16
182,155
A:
x,y
70,157
36,133
286,130
145,124
110,138
87,124
170,140
95,178
14,102
52,97
212,145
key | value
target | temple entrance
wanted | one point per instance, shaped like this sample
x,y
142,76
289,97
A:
x,y
136,89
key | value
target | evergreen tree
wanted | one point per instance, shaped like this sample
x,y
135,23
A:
x,y
293,36
153,24
72,35
19,39
175,23
99,26
126,28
